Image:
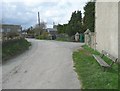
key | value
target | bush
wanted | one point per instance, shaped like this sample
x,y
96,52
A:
x,y
43,36
40,37
65,37
13,47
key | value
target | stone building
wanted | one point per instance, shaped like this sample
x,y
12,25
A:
x,y
10,30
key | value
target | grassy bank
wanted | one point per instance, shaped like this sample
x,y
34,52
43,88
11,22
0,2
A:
x,y
90,73
14,47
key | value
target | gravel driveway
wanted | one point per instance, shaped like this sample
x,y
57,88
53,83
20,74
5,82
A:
x,y
46,65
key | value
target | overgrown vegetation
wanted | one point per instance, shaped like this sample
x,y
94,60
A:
x,y
90,73
44,35
12,48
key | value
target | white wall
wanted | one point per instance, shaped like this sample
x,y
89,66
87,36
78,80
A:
x,y
107,27
119,31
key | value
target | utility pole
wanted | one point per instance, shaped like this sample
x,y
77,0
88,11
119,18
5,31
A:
x,y
38,19
53,24
39,23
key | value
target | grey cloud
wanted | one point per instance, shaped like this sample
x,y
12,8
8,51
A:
x,y
20,13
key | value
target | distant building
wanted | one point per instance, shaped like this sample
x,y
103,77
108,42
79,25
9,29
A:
x,y
7,29
10,28
52,31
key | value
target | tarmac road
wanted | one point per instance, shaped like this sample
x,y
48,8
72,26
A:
x,y
46,65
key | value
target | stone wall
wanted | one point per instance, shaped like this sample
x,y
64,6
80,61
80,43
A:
x,y
90,40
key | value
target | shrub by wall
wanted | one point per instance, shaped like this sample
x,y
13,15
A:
x,y
12,48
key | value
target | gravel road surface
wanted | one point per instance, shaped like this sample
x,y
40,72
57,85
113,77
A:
x,y
46,65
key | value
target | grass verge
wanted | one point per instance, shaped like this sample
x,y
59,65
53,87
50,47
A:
x,y
62,39
90,73
14,47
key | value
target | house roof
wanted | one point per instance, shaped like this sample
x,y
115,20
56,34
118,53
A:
x,y
10,25
5,27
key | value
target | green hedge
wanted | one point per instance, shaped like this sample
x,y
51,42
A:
x,y
12,48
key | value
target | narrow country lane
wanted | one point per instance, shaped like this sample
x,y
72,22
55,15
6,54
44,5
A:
x,y
46,65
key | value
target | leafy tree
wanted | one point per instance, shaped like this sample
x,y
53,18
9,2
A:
x,y
61,28
75,23
39,29
73,26
89,16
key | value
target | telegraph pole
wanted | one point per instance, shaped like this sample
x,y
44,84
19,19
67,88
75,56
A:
x,y
38,19
53,24
39,23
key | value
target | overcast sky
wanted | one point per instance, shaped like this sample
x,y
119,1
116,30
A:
x,y
24,12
